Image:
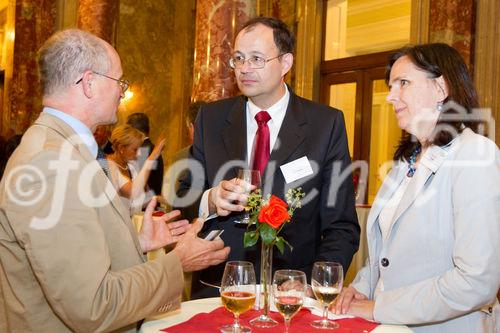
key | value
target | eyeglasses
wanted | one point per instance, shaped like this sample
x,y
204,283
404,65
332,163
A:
x,y
124,84
255,62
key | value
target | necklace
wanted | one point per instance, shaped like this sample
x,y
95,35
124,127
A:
x,y
123,168
412,161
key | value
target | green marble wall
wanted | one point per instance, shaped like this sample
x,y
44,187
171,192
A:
x,y
155,40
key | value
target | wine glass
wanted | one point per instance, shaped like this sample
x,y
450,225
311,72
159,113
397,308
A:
x,y
252,177
326,281
289,289
237,292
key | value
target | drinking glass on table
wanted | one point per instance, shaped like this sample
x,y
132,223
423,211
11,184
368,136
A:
x,y
326,282
237,292
252,177
289,290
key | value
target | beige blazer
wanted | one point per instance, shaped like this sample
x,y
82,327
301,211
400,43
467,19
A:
x,y
70,257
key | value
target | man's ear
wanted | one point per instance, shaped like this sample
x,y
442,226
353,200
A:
x,y
86,83
286,63
442,87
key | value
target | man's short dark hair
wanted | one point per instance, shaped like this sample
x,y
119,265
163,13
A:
x,y
139,121
283,37
193,110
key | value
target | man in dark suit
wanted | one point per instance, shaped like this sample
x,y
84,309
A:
x,y
140,121
311,135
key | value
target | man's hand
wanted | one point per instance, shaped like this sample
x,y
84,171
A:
x,y
196,253
229,196
344,300
156,233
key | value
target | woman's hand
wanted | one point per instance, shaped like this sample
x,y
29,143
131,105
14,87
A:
x,y
362,309
157,150
160,231
344,300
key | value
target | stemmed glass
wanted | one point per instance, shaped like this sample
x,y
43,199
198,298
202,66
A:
x,y
326,280
289,289
252,177
237,292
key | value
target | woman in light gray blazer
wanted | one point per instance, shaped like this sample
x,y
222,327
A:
x,y
434,228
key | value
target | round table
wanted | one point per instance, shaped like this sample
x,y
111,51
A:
x,y
190,308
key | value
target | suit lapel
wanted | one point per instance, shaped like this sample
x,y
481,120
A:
x,y
68,133
234,133
393,181
431,161
290,136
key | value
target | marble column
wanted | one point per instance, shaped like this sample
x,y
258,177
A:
x,y
34,23
217,23
98,17
453,22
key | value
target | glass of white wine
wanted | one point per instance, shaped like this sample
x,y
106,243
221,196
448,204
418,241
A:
x,y
237,293
251,177
289,290
326,281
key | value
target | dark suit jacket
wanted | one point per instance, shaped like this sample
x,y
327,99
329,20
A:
x,y
326,227
155,180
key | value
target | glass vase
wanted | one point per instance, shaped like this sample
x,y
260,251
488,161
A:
x,y
266,278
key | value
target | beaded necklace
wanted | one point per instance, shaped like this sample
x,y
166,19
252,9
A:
x,y
412,161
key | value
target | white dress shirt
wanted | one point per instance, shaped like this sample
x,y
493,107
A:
x,y
277,112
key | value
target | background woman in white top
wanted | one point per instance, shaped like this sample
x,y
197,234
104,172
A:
x,y
434,228
129,181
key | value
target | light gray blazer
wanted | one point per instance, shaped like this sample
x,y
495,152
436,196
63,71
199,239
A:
x,y
440,263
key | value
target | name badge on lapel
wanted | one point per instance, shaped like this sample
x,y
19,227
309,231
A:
x,y
297,169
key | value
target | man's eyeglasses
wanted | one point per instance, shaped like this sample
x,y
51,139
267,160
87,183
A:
x,y
124,84
255,62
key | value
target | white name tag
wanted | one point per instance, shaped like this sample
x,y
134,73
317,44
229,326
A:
x,y
297,169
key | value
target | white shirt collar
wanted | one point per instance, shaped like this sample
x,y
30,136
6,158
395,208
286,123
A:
x,y
80,128
276,111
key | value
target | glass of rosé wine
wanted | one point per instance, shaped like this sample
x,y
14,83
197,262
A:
x,y
289,290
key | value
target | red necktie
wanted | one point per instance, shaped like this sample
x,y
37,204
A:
x,y
261,145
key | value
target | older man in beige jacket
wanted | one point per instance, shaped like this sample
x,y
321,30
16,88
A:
x,y
70,257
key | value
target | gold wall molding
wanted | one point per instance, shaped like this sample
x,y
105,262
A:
x,y
487,58
309,17
419,27
66,16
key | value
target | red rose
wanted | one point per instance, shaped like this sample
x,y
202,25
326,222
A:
x,y
275,213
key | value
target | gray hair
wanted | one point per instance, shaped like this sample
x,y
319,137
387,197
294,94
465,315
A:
x,y
66,55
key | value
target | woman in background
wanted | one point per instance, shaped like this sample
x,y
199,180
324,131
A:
x,y
434,228
129,181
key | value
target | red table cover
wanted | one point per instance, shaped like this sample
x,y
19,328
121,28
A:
x,y
210,322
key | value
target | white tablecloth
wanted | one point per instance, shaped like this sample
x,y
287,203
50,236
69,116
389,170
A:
x,y
189,309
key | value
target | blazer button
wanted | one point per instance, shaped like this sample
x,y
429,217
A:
x,y
384,262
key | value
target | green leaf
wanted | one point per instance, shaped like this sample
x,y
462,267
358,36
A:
x,y
280,244
267,233
289,245
250,238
